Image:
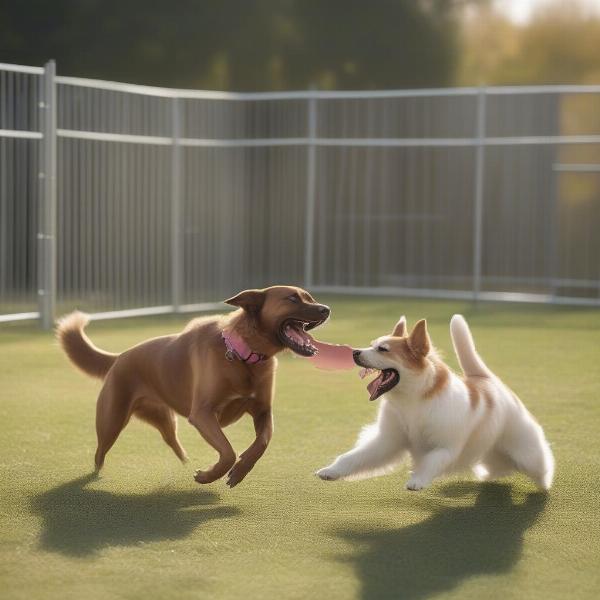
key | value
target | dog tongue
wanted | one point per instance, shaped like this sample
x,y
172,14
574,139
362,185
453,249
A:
x,y
332,356
374,385
298,336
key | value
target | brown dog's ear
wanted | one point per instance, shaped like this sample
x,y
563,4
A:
x,y
250,300
400,328
418,340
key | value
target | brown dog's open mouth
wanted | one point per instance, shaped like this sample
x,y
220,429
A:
x,y
384,382
294,335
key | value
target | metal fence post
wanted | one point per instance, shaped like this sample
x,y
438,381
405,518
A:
x,y
176,209
311,190
479,183
46,236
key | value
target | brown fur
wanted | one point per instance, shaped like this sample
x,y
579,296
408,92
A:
x,y
411,349
401,348
477,388
414,351
473,393
442,376
188,374
400,328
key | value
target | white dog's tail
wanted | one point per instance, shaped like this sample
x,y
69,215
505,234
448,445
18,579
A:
x,y
470,362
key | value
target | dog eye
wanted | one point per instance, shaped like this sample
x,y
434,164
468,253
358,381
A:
x,y
294,298
382,349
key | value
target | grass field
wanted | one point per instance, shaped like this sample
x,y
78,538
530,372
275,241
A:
x,y
145,528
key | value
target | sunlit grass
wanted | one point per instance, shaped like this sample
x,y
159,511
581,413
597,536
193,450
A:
x,y
146,529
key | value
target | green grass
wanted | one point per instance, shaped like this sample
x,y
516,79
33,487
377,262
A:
x,y
145,528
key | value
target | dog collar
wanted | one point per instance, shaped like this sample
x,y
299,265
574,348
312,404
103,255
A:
x,y
237,349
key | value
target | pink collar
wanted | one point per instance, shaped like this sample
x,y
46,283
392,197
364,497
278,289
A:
x,y
237,349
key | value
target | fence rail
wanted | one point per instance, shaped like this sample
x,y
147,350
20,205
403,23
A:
x,y
127,200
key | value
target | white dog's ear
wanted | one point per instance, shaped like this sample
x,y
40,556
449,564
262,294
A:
x,y
419,339
400,328
249,300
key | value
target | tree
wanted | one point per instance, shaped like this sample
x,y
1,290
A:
x,y
238,44
561,44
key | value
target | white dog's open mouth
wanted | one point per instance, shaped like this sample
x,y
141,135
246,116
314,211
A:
x,y
384,382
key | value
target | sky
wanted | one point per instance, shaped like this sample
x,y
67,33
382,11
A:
x,y
519,11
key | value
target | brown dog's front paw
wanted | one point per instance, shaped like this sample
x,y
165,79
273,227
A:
x,y
239,471
204,476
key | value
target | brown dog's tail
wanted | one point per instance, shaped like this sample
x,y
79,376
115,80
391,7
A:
x,y
79,347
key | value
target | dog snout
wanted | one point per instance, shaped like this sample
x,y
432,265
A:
x,y
356,357
325,311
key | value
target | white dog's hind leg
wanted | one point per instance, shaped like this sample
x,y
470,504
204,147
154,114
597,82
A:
x,y
494,466
379,449
528,448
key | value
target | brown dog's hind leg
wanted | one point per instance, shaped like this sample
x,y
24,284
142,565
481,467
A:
x,y
164,419
113,410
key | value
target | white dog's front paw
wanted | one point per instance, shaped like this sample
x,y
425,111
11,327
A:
x,y
415,484
327,474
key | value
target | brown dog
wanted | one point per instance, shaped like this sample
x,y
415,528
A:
x,y
214,371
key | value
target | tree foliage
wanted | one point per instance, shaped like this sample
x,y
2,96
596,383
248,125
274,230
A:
x,y
561,44
238,44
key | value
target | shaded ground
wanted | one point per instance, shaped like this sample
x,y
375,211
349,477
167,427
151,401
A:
x,y
78,521
453,544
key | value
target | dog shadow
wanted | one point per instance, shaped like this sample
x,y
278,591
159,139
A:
x,y
449,547
78,521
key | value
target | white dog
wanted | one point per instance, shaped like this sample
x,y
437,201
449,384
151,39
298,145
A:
x,y
446,423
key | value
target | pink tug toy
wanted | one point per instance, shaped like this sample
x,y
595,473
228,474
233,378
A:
x,y
332,357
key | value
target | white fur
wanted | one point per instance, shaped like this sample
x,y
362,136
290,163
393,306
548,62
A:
x,y
445,433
